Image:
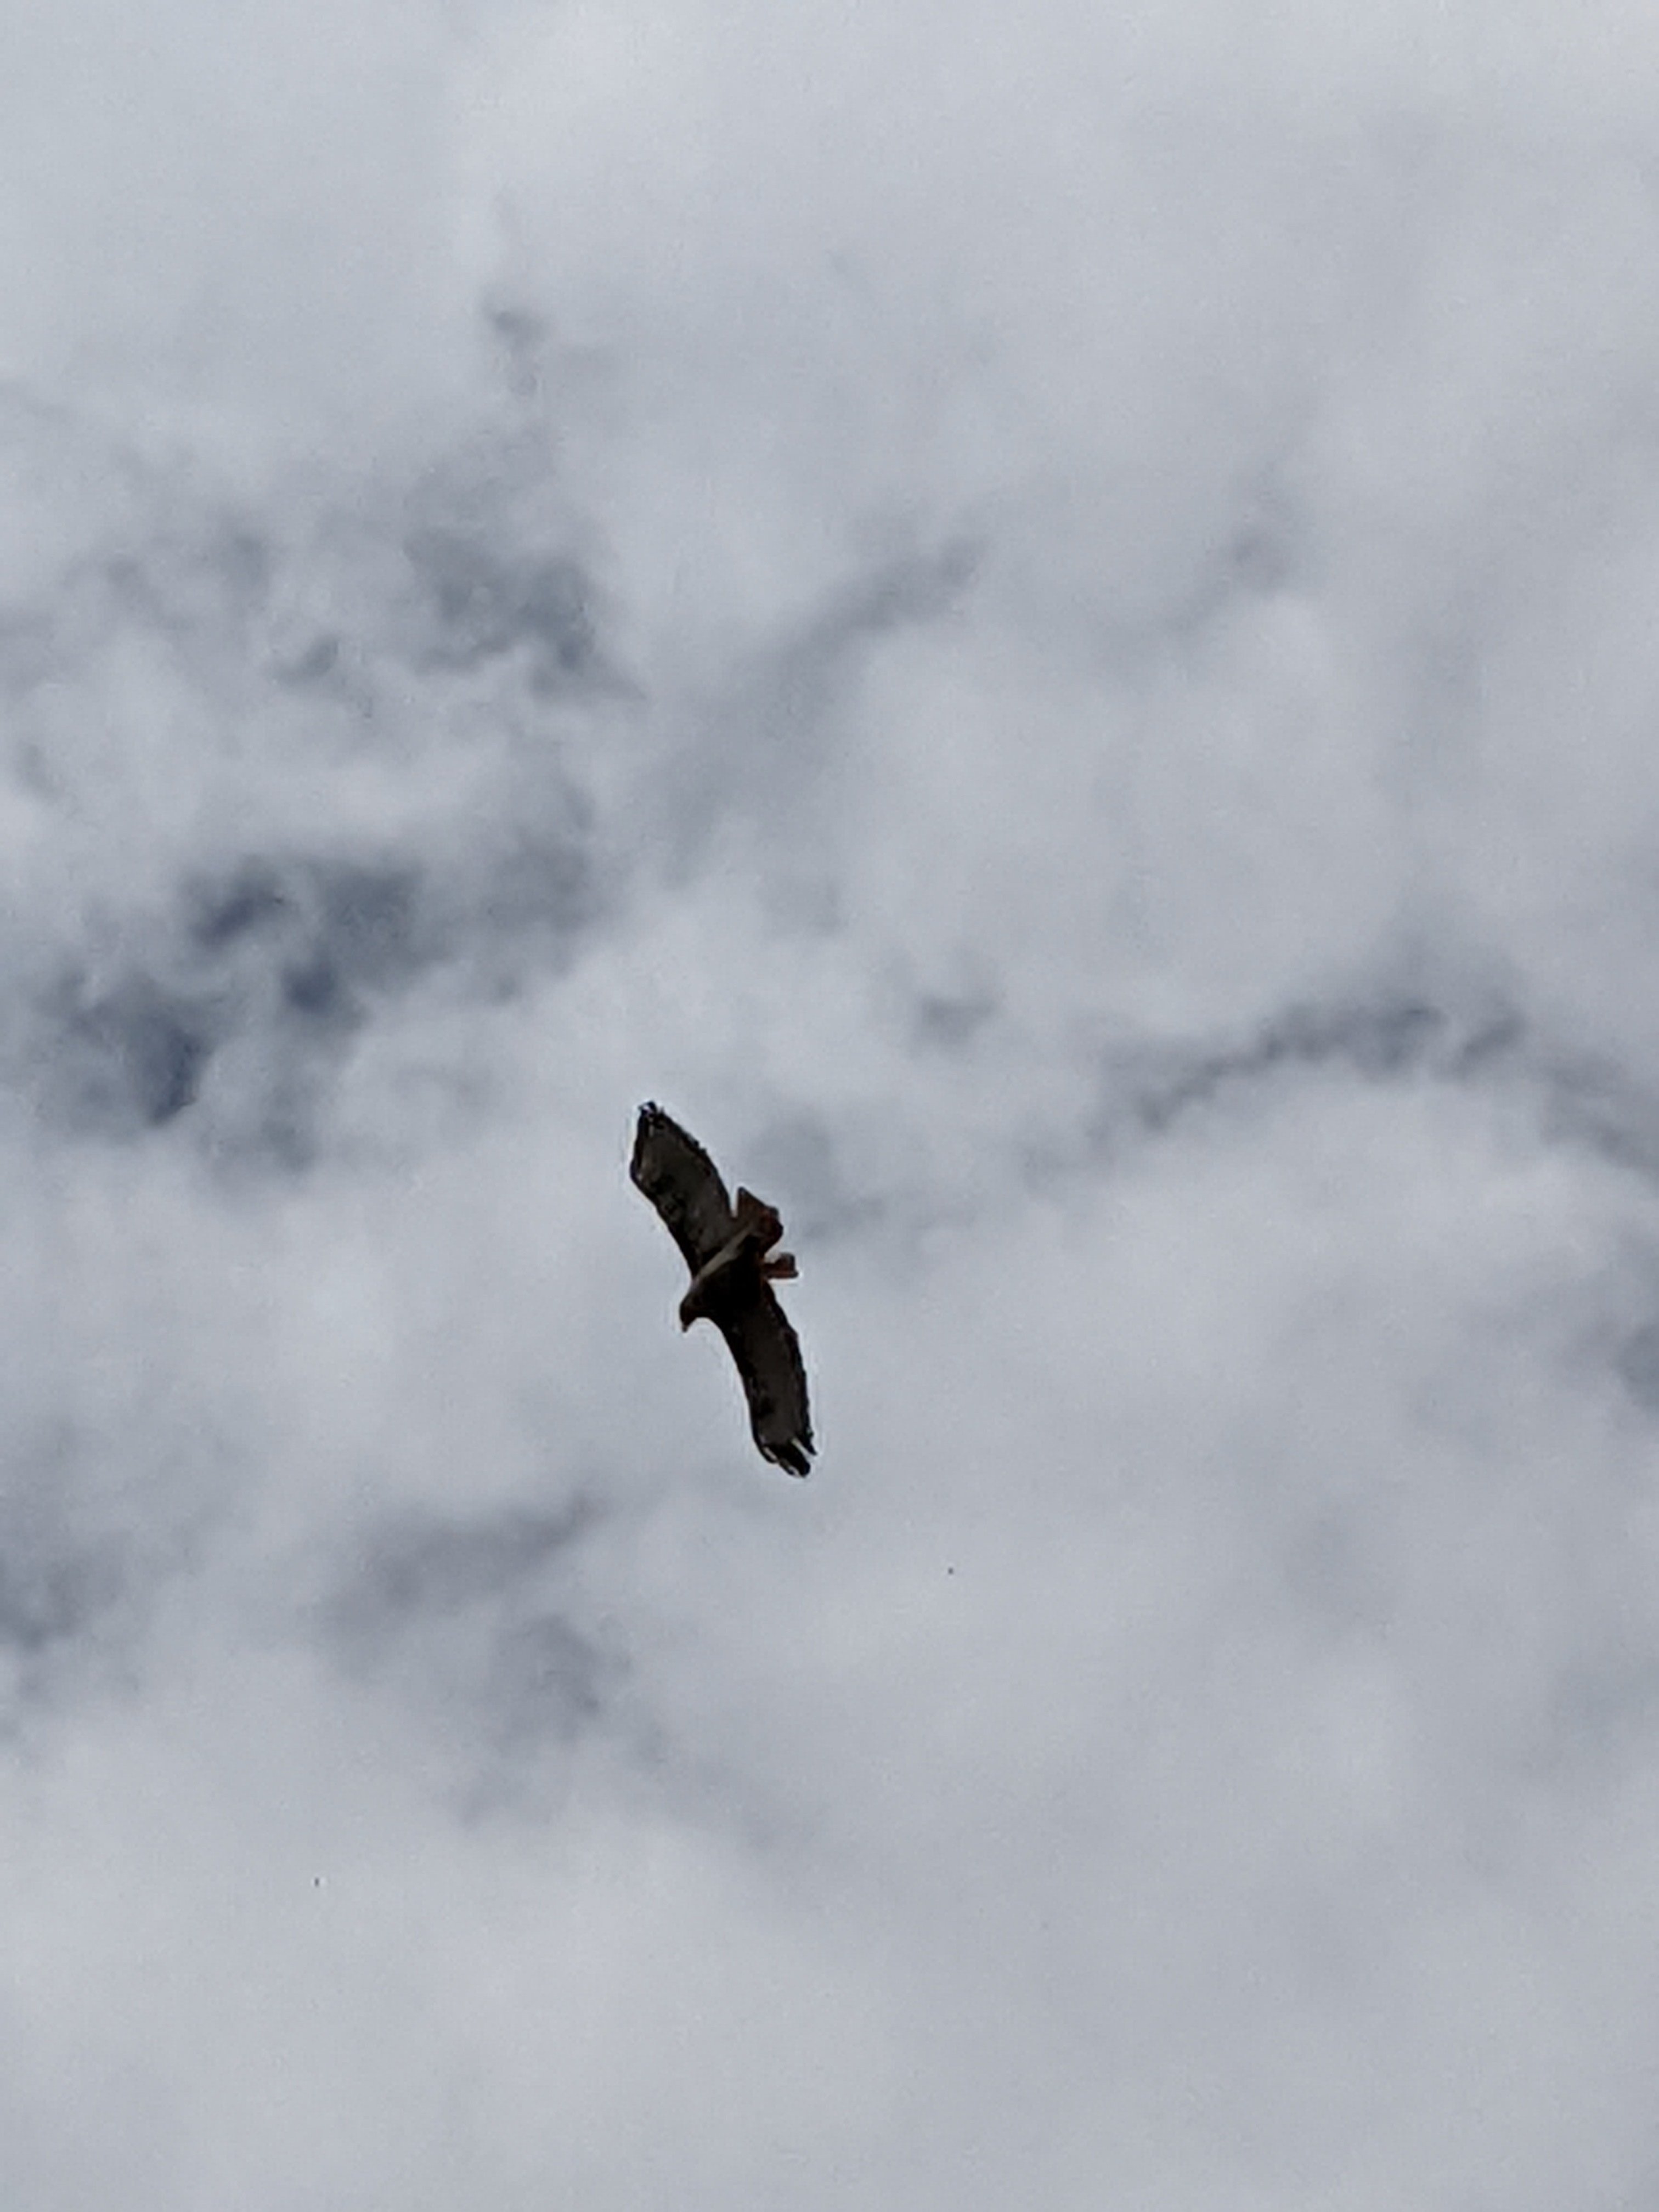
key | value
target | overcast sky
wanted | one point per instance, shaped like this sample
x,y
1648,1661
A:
x,y
1041,621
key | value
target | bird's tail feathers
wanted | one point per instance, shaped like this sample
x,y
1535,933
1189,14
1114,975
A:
x,y
763,1221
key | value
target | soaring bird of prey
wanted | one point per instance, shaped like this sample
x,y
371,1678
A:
x,y
733,1267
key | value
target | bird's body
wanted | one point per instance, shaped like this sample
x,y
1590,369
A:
x,y
729,1250
726,1279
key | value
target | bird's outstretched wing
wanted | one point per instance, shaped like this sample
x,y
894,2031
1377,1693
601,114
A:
x,y
767,1353
683,1184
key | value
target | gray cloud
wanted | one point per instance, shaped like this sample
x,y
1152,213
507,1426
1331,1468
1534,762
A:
x,y
1043,623
482,607
478,1620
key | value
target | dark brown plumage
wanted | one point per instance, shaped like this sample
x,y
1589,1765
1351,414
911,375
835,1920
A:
x,y
729,1251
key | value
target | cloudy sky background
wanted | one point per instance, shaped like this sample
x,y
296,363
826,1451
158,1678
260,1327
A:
x,y
1045,626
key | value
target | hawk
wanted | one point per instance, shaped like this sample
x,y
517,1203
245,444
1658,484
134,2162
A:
x,y
733,1267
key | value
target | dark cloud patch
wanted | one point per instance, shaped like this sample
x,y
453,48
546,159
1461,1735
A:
x,y
1595,1101
477,1618
521,338
322,927
547,1678
1581,1098
1586,1099
1258,559
757,750
916,589
318,602
947,1023
1154,1087
201,580
132,1057
1253,556
73,1586
540,884
315,990
1637,1365
368,918
250,898
229,1003
303,945
437,1567
483,605
244,998
52,1591
316,663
